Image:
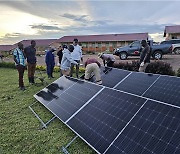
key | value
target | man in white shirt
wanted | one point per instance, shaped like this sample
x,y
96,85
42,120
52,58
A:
x,y
76,56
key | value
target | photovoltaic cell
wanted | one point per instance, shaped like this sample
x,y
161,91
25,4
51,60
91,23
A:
x,y
137,83
155,129
165,89
68,96
113,77
100,121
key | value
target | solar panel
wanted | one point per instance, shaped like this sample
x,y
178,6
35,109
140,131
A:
x,y
137,83
113,76
165,89
155,129
100,121
67,96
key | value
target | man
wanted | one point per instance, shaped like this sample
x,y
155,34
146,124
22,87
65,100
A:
x,y
76,56
50,62
144,56
67,60
107,59
30,53
19,59
93,66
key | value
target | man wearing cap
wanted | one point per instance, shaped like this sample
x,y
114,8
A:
x,y
50,62
107,59
76,56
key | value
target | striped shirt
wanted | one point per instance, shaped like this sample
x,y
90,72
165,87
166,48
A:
x,y
19,56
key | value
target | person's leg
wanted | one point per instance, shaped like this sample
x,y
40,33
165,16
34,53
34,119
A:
x,y
143,68
96,72
33,72
48,69
20,69
29,72
52,68
72,70
77,68
110,63
88,72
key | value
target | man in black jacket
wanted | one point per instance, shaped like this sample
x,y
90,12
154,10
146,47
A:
x,y
30,53
145,56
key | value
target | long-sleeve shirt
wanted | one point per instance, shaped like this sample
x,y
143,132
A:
x,y
92,60
77,53
49,59
19,56
30,53
67,60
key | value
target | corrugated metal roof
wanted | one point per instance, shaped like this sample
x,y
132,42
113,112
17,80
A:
x,y
6,47
106,37
172,29
39,42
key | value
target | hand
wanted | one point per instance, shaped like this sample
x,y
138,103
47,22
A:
x,y
142,64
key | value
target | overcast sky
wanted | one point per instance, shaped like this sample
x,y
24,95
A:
x,y
27,19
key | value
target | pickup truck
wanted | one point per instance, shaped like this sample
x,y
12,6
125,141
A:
x,y
176,48
134,49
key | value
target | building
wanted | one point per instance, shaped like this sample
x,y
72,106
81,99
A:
x,y
101,43
172,32
6,49
41,44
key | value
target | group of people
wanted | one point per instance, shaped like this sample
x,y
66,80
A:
x,y
69,57
20,56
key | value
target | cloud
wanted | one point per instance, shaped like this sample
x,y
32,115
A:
x,y
46,27
80,18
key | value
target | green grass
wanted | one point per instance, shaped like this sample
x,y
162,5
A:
x,y
20,130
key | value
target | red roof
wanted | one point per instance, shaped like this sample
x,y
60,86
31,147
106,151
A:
x,y
6,47
39,42
172,29
106,37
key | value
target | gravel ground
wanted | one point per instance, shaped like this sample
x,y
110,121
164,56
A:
x,y
174,60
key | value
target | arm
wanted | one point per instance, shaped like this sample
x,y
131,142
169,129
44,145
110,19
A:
x,y
81,54
98,64
68,56
104,62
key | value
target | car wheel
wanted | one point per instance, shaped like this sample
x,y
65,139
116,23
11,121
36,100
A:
x,y
157,55
123,55
177,50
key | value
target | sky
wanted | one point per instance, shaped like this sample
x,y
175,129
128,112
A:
x,y
43,19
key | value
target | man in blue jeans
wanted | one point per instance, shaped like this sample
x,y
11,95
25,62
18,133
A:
x,y
50,62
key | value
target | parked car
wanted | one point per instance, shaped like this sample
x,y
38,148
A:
x,y
175,45
134,49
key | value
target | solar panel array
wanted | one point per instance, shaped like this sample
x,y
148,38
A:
x,y
142,115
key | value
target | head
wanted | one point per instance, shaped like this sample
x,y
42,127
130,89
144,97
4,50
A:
x,y
60,47
20,45
143,43
71,48
75,41
33,43
65,46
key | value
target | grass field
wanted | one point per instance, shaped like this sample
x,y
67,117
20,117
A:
x,y
20,130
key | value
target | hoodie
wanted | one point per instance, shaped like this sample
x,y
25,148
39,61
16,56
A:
x,y
67,60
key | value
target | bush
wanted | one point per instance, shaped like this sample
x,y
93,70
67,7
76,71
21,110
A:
x,y
178,72
157,67
7,65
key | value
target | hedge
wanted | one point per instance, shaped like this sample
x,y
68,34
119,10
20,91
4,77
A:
x,y
38,67
157,67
